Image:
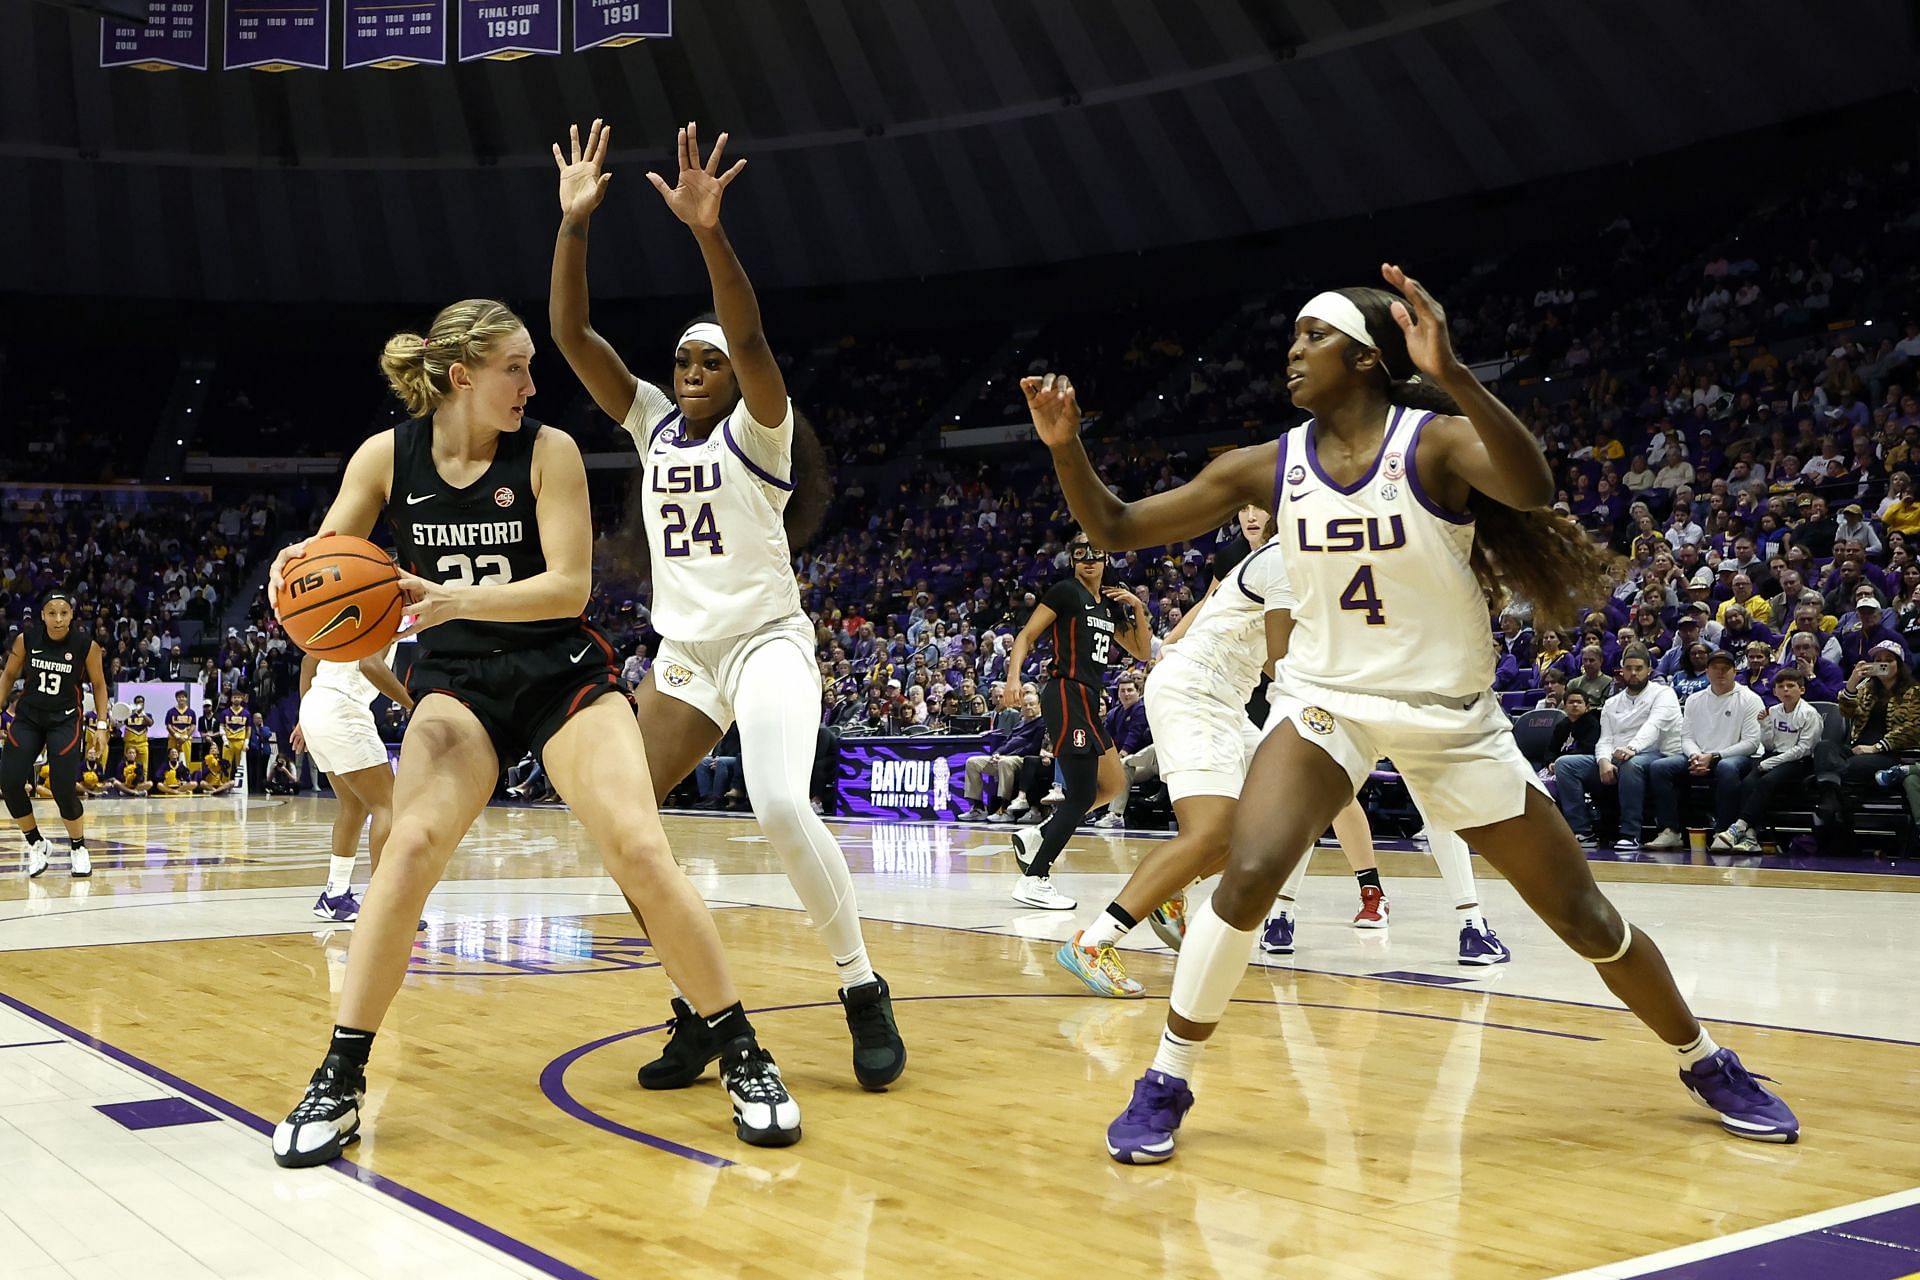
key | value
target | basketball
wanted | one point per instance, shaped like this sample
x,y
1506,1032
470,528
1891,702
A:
x,y
341,600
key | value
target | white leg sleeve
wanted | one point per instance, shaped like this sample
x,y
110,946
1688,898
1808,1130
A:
x,y
1290,891
1212,961
1455,863
778,732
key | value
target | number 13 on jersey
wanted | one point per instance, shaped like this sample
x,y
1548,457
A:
x,y
1361,596
679,537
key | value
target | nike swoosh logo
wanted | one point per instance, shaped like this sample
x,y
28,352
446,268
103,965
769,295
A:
x,y
1295,497
349,614
414,499
583,653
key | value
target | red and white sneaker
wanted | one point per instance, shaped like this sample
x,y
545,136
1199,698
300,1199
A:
x,y
1373,908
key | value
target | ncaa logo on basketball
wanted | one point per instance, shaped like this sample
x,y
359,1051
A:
x,y
503,497
677,675
1320,722
1393,466
1296,473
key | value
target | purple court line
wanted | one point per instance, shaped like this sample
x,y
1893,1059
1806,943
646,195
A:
x,y
554,1085
989,932
480,1231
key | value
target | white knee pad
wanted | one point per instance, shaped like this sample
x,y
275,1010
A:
x,y
1213,959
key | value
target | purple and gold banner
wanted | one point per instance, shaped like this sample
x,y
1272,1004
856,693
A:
x,y
390,34
176,35
616,22
508,29
279,35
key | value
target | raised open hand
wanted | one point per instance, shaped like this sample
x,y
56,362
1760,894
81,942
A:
x,y
695,198
1056,414
583,179
1424,322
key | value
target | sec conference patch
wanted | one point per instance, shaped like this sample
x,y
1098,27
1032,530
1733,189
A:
x,y
676,674
1319,721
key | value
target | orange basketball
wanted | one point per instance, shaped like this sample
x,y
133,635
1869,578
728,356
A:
x,y
341,600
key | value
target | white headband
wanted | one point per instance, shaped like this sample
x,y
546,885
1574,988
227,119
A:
x,y
711,334
1338,310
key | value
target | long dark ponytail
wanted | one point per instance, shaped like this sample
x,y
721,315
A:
x,y
622,555
1541,557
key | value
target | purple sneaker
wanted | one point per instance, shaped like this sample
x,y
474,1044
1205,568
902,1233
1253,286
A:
x,y
344,909
1482,946
1144,1132
1277,938
1746,1109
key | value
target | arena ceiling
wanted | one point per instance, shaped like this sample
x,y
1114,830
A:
x,y
888,138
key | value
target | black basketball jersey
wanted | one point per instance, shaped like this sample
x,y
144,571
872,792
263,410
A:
x,y
483,533
1083,631
55,671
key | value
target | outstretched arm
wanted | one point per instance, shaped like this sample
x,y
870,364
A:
x,y
695,200
583,185
1203,504
1488,449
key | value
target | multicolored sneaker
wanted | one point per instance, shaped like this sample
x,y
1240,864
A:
x,y
879,1054
1746,1108
1100,968
1277,938
343,909
1169,920
1143,1133
1888,779
1373,908
1482,946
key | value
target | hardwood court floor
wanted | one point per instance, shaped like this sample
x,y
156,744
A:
x,y
1512,1125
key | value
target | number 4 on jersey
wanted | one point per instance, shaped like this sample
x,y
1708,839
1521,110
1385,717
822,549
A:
x,y
1361,595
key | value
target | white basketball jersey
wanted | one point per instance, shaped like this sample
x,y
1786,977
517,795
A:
x,y
1228,636
1388,599
713,508
347,678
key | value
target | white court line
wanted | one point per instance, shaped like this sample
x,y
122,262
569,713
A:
x,y
1723,1245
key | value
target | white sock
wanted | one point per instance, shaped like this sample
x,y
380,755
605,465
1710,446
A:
x,y
1699,1051
856,970
339,876
1470,914
1103,931
1176,1056
1282,908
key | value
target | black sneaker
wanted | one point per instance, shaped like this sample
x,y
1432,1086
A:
x,y
326,1120
879,1055
691,1045
764,1113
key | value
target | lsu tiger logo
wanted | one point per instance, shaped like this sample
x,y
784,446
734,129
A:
x,y
676,675
1317,720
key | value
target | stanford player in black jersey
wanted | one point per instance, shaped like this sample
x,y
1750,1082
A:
x,y
1083,620
56,657
490,518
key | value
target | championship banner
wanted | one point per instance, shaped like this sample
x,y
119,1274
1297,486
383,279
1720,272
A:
x,y
508,29
176,35
619,22
390,34
904,778
278,35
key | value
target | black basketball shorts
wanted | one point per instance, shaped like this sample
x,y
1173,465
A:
x,y
522,696
1071,709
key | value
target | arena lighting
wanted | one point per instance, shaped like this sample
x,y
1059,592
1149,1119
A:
x,y
132,11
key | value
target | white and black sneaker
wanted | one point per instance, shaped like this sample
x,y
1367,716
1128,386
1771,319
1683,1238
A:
x,y
764,1113
82,866
326,1120
37,859
1026,845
